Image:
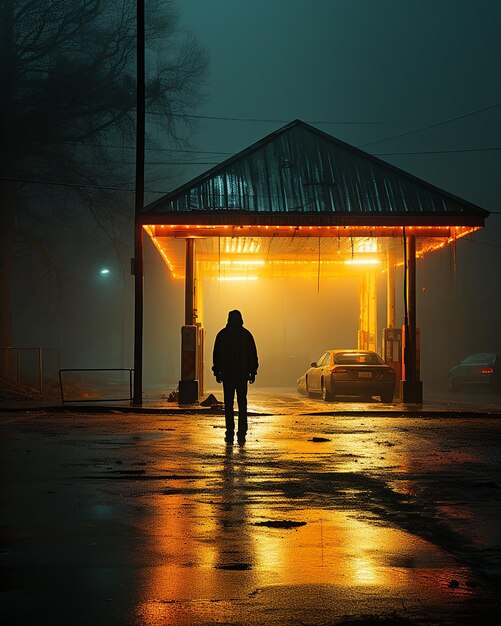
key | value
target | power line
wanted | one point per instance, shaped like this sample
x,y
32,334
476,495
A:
x,y
276,121
61,184
131,190
260,120
124,147
225,153
448,121
416,153
456,151
174,162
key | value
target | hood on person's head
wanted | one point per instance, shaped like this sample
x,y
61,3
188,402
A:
x,y
235,318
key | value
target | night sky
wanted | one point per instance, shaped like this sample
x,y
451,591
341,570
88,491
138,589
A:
x,y
389,67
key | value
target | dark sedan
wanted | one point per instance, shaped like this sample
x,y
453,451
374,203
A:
x,y
481,370
351,373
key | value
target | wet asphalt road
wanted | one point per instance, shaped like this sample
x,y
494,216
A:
x,y
117,518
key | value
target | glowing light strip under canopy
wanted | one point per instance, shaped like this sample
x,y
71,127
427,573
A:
x,y
231,257
228,230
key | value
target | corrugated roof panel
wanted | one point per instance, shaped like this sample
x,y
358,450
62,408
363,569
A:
x,y
301,169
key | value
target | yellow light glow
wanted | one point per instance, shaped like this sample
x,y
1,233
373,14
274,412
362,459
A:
x,y
362,262
364,572
237,278
240,244
249,262
368,233
160,249
233,249
368,244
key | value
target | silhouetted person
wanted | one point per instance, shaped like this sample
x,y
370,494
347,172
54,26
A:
x,y
235,364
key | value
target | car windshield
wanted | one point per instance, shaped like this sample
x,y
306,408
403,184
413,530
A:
x,y
482,358
357,358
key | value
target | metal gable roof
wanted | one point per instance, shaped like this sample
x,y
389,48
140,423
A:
x,y
302,171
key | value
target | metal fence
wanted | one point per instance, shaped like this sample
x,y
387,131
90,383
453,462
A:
x,y
32,369
96,384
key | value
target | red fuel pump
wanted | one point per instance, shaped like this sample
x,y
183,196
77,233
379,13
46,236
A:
x,y
392,351
188,385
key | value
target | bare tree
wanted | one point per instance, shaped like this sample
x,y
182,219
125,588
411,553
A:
x,y
67,114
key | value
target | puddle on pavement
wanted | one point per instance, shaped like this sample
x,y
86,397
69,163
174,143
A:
x,y
220,548
225,555
224,546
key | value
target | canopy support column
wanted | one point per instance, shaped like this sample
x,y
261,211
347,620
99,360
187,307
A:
x,y
362,320
411,386
188,385
372,311
199,321
367,332
390,289
189,284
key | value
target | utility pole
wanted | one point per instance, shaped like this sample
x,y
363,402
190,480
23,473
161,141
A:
x,y
8,71
138,264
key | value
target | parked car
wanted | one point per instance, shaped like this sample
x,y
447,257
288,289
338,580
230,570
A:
x,y
350,373
481,370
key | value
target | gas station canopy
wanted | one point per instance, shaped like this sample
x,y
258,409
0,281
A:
x,y
300,198
301,203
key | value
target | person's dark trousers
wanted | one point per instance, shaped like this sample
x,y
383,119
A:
x,y
239,386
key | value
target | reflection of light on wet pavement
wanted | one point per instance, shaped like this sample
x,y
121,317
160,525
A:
x,y
342,552
390,521
206,535
364,572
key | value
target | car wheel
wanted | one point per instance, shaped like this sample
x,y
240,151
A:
x,y
452,386
387,397
326,395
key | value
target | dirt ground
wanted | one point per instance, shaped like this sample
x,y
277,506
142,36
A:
x,y
321,518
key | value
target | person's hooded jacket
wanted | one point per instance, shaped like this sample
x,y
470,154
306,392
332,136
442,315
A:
x,y
235,354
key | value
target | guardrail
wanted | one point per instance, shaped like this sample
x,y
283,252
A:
x,y
98,397
33,366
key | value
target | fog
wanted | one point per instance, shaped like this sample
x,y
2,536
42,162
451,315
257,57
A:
x,y
292,322
429,108
295,320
